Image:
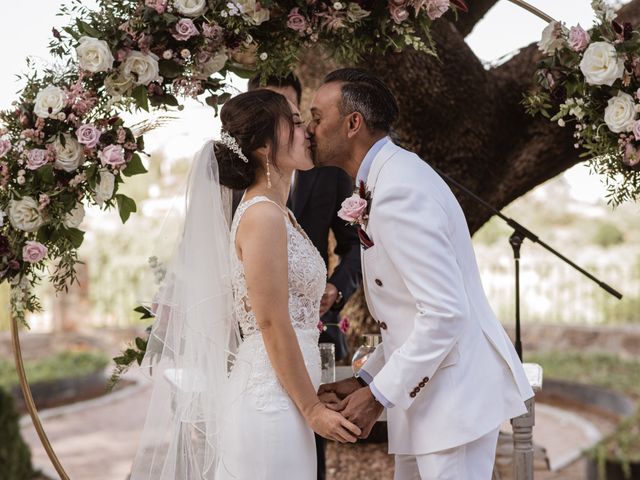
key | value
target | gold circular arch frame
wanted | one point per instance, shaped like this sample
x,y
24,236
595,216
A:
x,y
15,338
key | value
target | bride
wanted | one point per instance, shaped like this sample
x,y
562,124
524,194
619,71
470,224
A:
x,y
234,348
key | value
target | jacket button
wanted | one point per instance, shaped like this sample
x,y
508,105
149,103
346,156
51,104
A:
x,y
422,384
412,394
425,379
378,282
383,325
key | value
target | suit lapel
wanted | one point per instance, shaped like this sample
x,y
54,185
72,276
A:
x,y
384,155
302,190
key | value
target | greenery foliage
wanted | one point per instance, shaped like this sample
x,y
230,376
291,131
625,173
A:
x,y
570,91
609,371
64,143
607,235
15,456
68,364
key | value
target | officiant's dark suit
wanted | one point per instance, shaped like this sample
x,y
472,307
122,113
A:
x,y
315,198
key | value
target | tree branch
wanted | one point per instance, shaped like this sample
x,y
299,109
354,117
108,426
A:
x,y
477,10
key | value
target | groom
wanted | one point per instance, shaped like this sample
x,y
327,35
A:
x,y
446,370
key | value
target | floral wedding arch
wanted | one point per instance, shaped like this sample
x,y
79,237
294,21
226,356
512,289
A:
x,y
64,145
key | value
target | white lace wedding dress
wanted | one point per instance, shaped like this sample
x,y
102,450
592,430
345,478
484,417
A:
x,y
267,438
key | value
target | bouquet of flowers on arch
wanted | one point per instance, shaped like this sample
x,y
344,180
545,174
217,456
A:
x,y
64,145
590,81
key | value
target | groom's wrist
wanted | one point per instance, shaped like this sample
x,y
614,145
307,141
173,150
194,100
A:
x,y
361,381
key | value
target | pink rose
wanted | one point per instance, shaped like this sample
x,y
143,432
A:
x,y
344,324
636,129
631,156
185,29
437,8
398,13
353,208
578,38
36,158
158,5
296,21
88,135
5,147
212,30
112,155
33,252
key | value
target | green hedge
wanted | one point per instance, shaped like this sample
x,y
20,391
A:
x,y
64,365
15,456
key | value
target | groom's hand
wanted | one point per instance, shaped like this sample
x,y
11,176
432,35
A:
x,y
361,408
332,393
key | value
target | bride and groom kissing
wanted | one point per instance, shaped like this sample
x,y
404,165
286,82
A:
x,y
237,391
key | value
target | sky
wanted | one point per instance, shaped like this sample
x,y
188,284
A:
x,y
504,29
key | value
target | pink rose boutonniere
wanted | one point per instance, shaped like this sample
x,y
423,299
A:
x,y
355,209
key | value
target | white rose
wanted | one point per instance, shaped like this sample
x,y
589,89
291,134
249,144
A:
x,y
117,85
94,55
601,65
212,66
49,102
620,113
74,218
104,189
190,8
141,68
552,37
70,156
251,9
24,214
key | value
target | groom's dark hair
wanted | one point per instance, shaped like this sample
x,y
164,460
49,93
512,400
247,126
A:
x,y
364,92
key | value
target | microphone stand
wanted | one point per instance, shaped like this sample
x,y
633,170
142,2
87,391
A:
x,y
518,236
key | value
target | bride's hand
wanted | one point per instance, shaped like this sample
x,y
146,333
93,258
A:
x,y
332,425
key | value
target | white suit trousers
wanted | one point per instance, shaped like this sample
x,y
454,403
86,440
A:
x,y
472,461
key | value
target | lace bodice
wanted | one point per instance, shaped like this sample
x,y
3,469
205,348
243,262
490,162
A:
x,y
307,278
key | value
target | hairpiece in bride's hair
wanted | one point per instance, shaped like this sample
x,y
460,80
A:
x,y
231,143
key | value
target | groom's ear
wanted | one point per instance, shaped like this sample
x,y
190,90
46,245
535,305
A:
x,y
355,123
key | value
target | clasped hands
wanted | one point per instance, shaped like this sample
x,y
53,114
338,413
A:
x,y
355,402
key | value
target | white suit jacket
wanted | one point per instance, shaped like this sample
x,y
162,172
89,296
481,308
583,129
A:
x,y
445,362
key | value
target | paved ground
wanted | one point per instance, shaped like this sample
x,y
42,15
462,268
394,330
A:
x,y
97,439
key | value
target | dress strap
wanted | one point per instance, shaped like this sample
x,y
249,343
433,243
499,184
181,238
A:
x,y
244,206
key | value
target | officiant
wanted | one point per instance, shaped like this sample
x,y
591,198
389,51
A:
x,y
315,198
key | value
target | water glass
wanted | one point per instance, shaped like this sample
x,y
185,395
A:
x,y
328,362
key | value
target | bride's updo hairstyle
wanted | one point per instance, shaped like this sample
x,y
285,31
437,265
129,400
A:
x,y
253,119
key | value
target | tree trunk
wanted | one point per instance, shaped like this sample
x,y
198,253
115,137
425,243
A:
x,y
468,121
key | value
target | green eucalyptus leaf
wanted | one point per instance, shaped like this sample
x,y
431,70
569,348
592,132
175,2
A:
x,y
87,29
141,344
126,206
134,167
169,68
141,97
45,173
75,236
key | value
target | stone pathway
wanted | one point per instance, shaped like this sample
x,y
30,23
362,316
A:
x,y
97,440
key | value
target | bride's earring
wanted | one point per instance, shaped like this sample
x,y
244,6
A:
x,y
268,174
